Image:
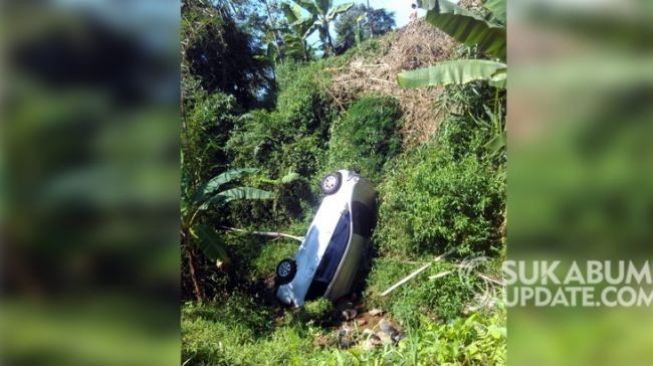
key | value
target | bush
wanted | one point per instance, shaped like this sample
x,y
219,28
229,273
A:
x,y
208,121
444,195
303,104
441,299
367,137
292,138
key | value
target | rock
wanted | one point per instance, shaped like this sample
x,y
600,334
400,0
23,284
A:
x,y
321,341
345,337
398,336
375,312
384,338
388,329
349,314
346,342
371,343
375,340
368,332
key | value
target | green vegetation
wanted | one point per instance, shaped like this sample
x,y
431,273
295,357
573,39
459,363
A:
x,y
445,195
360,23
366,137
321,14
238,332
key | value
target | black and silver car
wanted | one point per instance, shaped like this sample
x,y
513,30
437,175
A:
x,y
330,255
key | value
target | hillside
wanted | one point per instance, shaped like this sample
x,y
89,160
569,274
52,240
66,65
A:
x,y
441,203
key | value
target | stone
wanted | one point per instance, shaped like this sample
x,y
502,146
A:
x,y
375,312
349,314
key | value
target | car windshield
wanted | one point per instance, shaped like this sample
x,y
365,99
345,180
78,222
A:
x,y
335,250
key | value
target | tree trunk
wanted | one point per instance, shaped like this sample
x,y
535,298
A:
x,y
329,43
197,287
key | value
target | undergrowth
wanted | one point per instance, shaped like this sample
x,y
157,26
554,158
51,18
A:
x,y
367,137
443,196
217,335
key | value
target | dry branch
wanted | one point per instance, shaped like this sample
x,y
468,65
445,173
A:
x,y
415,273
273,234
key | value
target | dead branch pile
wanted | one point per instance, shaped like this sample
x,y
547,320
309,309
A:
x,y
416,45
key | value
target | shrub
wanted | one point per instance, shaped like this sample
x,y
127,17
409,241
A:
x,y
366,137
294,135
208,121
441,299
443,195
319,311
292,138
303,104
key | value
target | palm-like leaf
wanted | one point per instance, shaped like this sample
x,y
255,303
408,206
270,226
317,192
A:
x,y
238,193
309,6
333,13
210,243
217,181
245,193
290,177
293,12
312,28
451,72
303,25
467,27
497,8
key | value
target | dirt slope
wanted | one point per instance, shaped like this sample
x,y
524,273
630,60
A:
x,y
416,45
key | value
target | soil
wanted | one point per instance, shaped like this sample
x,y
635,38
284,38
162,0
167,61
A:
x,y
369,328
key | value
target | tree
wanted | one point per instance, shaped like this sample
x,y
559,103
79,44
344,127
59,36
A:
x,y
321,14
361,22
221,55
198,234
488,36
296,32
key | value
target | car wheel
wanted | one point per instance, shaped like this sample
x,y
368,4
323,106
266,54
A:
x,y
331,183
286,270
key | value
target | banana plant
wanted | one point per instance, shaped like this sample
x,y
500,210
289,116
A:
x,y
488,35
208,195
294,38
321,14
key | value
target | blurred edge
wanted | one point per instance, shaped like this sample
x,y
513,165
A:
x,y
581,167
90,181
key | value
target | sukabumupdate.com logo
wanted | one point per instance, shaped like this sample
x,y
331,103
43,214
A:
x,y
591,283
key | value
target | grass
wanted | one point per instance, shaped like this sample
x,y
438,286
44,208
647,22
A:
x,y
213,336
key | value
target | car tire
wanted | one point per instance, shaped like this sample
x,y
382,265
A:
x,y
286,270
331,183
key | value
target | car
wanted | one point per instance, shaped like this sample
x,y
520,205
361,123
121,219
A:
x,y
335,243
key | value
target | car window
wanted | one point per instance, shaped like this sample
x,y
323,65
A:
x,y
335,250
